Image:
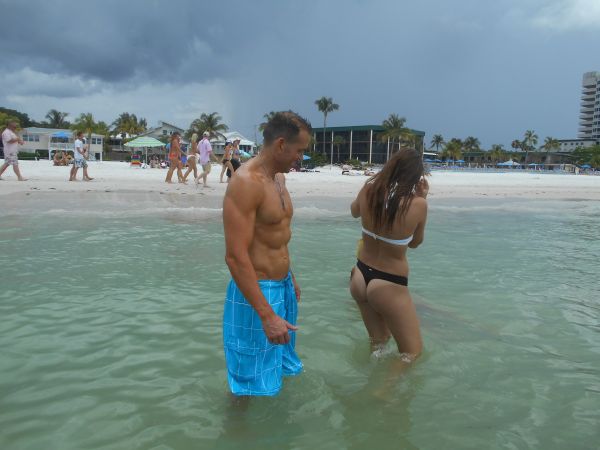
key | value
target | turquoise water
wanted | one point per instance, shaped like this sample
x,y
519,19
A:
x,y
110,334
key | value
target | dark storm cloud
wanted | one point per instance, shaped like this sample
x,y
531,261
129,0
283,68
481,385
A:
x,y
463,67
117,41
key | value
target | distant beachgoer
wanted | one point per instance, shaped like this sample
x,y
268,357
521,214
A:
x,y
11,142
206,154
226,162
174,159
192,156
79,160
235,155
261,302
392,207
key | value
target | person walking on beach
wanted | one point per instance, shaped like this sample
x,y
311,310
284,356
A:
x,y
192,156
235,155
259,319
11,142
392,207
174,159
226,162
206,154
79,160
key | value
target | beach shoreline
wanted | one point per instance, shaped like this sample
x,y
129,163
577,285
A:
x,y
119,178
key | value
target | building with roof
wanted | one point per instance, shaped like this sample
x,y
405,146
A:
x,y
362,142
162,130
218,143
589,114
44,142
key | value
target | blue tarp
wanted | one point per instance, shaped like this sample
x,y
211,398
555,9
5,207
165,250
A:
x,y
62,134
305,157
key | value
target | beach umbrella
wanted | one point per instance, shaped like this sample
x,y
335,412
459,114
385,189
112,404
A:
x,y
460,161
586,166
62,134
305,157
144,142
245,154
429,160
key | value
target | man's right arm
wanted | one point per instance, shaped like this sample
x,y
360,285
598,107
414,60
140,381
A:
x,y
240,205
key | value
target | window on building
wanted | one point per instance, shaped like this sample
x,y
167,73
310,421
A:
x,y
164,132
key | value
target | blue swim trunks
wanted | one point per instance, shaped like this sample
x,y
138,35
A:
x,y
254,365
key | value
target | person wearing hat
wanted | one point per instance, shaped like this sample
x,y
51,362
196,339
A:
x,y
206,154
226,162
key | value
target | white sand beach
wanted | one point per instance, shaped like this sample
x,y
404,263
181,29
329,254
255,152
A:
x,y
119,177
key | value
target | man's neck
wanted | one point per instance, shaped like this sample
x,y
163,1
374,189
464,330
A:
x,y
267,166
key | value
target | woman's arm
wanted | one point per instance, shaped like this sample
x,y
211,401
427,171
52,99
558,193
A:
x,y
355,206
419,234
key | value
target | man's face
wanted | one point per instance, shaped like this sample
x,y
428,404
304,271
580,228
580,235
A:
x,y
12,126
293,150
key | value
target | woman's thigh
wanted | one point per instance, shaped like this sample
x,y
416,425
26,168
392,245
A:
x,y
394,303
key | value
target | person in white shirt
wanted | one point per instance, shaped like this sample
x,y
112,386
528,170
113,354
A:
x,y
79,160
206,154
11,142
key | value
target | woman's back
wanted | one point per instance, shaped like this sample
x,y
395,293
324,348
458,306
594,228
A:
x,y
386,256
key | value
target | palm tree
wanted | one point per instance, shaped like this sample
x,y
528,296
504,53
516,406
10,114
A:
x,y
326,105
56,119
497,152
337,141
471,144
453,149
394,130
207,122
437,141
530,140
268,116
550,144
129,124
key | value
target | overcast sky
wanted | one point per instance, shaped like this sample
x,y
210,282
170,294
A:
x,y
485,68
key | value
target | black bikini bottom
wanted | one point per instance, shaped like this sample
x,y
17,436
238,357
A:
x,y
373,274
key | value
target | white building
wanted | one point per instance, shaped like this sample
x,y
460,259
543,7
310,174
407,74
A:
x,y
45,141
589,115
218,144
163,129
568,145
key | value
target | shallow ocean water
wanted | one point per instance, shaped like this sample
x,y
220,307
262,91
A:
x,y
110,333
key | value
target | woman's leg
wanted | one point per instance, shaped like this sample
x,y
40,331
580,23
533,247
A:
x,y
394,304
191,167
170,172
223,169
375,324
179,172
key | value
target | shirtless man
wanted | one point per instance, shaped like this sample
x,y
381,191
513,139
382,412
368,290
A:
x,y
261,301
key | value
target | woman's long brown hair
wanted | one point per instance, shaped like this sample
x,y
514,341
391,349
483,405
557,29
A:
x,y
391,190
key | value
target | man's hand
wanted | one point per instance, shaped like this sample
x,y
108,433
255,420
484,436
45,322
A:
x,y
276,329
422,188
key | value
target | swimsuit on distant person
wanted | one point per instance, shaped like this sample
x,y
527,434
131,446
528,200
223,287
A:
x,y
369,273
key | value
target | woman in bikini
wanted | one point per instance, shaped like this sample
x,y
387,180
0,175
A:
x,y
226,162
174,159
192,158
393,211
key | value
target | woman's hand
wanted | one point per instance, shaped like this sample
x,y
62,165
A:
x,y
422,188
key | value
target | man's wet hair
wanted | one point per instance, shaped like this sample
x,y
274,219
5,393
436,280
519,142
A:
x,y
286,125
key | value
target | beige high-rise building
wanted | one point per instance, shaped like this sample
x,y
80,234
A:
x,y
589,116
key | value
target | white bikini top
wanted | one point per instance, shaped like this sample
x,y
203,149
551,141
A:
x,y
389,241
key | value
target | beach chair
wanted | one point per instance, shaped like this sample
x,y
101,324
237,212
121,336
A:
x,y
136,160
